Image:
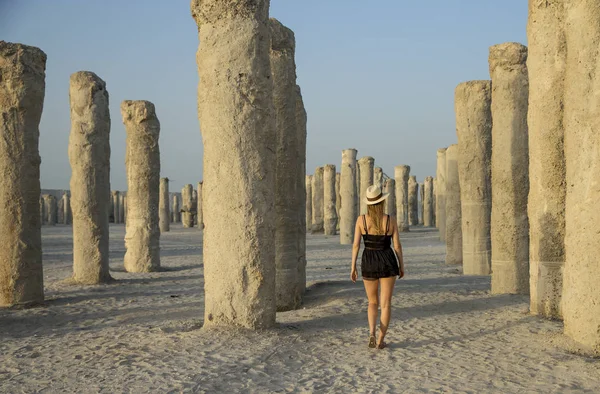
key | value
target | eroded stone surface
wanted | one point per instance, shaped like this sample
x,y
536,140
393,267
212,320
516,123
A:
x,y
402,173
454,240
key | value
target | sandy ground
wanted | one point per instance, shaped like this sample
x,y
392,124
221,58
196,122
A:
x,y
143,332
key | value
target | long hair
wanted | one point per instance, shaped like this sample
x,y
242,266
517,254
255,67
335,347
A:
x,y
375,212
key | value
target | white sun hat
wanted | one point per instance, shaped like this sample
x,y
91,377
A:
x,y
374,195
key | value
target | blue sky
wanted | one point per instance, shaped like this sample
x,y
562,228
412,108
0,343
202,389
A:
x,y
378,76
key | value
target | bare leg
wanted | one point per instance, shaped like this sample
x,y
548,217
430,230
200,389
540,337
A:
x,y
387,289
372,287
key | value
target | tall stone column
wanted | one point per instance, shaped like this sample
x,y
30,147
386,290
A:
x,y
402,173
365,165
329,196
116,203
187,200
454,239
413,201
428,199
67,213
581,290
199,213
510,169
434,202
142,163
421,202
301,120
318,208
440,193
287,203
89,155
378,177
121,208
472,106
239,268
390,203
51,209
348,208
164,213
176,209
22,88
546,63
338,198
309,180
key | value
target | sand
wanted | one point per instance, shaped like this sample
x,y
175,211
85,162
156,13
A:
x,y
143,332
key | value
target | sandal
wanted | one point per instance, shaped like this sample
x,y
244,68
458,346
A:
x,y
372,341
381,345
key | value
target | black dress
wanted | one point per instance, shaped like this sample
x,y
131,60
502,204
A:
x,y
378,259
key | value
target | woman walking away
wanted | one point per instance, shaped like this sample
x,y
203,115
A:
x,y
379,266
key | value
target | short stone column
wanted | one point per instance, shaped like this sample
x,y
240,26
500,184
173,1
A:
x,y
67,213
510,169
187,201
121,208
199,213
164,213
413,201
472,106
116,205
51,209
22,88
308,180
428,199
89,155
329,195
454,239
239,198
402,173
440,193
547,188
348,211
318,208
378,177
421,201
338,199
194,207
176,209
365,165
142,162
390,203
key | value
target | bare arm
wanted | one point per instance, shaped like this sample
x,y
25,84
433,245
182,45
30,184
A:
x,y
355,249
397,246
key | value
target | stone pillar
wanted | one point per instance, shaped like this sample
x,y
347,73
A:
x,y
43,214
60,211
309,180
239,198
390,202
546,63
318,208
338,199
440,193
67,213
581,289
121,208
301,189
421,201
176,209
125,209
510,169
413,201
51,209
428,199
330,217
22,88
187,200
348,211
472,106
142,162
378,177
89,155
164,220
199,212
365,165
454,239
194,207
116,203
433,202
402,173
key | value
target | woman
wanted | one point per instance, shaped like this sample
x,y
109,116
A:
x,y
379,266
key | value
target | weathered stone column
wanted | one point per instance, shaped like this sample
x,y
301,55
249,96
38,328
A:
x,y
378,177
239,268
199,214
428,199
365,165
89,155
68,213
402,173
440,193
22,88
433,202
330,217
43,214
287,203
301,120
318,208
421,202
187,200
194,207
581,291
510,169
142,163
390,202
116,203
51,209
121,208
60,211
164,213
125,209
176,210
413,201
472,106
338,198
454,239
546,63
309,180
348,211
